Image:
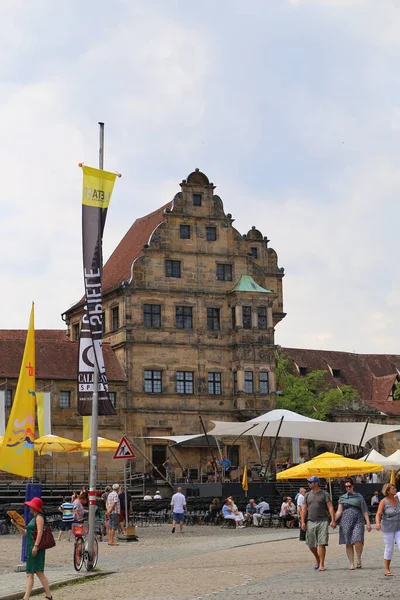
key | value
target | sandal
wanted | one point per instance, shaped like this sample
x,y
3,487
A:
x,y
316,567
389,574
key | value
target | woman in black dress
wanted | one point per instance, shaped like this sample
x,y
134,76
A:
x,y
352,511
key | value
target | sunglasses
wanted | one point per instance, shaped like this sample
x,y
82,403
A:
x,y
349,485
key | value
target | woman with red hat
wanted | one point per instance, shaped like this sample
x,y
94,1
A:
x,y
34,556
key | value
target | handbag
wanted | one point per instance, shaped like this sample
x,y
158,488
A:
x,y
47,540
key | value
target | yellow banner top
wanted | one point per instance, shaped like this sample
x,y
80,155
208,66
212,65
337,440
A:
x,y
97,187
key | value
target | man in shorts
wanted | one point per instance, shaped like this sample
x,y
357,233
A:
x,y
113,511
178,509
67,509
316,512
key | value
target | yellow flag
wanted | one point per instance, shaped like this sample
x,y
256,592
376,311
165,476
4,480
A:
x,y
86,431
17,450
245,485
393,477
97,187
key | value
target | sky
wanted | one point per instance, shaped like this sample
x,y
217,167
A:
x,y
291,108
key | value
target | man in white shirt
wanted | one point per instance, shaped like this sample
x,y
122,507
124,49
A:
x,y
147,496
300,500
261,508
157,496
178,509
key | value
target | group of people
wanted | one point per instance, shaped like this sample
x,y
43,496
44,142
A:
x,y
317,514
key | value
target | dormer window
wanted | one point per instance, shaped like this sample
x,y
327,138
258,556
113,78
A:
x,y
303,371
196,199
254,252
336,372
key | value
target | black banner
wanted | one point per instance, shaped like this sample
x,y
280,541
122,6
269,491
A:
x,y
97,190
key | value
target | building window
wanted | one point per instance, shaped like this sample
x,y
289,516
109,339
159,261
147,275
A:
x,y
246,317
152,315
115,318
336,372
113,398
153,382
213,322
173,268
214,384
184,382
254,252
183,317
8,398
233,311
211,234
75,332
235,382
262,317
303,371
248,382
196,199
264,387
65,399
185,232
224,272
103,322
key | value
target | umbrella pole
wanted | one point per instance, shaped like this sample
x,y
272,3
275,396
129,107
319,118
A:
x,y
330,488
180,464
272,449
209,446
363,435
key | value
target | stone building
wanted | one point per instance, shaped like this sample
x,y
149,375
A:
x,y
190,309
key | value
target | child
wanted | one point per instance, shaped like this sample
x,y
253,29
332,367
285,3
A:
x,y
67,509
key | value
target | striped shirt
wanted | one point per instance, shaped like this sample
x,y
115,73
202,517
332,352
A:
x,y
68,511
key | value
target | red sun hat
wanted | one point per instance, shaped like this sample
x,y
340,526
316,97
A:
x,y
36,504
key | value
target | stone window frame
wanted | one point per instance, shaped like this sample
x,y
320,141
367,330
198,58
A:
x,y
8,398
211,229
224,272
263,378
187,379
184,308
113,398
213,318
76,331
254,252
154,380
249,382
265,316
197,199
115,320
152,317
215,383
247,319
184,227
173,268
65,399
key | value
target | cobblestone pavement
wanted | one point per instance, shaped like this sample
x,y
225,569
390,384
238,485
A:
x,y
210,562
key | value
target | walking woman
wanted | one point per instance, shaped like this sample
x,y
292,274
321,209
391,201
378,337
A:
x,y
352,511
34,557
388,520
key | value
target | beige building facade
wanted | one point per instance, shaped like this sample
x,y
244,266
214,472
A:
x,y
190,309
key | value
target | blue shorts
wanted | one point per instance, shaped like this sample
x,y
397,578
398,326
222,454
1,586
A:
x,y
180,517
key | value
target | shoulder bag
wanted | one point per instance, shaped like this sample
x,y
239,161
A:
x,y
47,540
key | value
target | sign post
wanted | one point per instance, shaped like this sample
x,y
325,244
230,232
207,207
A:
x,y
125,451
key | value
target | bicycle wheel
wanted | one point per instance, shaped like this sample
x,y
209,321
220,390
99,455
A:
x,y
78,554
95,553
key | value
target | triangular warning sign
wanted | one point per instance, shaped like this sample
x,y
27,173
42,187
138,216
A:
x,y
124,450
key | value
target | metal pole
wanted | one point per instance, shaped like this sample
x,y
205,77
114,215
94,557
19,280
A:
x,y
272,450
363,435
94,422
126,497
209,446
261,440
238,438
180,464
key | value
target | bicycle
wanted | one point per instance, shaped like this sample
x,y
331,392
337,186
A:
x,y
81,549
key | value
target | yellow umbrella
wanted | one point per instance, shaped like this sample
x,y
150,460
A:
x,y
245,484
329,465
54,443
103,445
393,477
